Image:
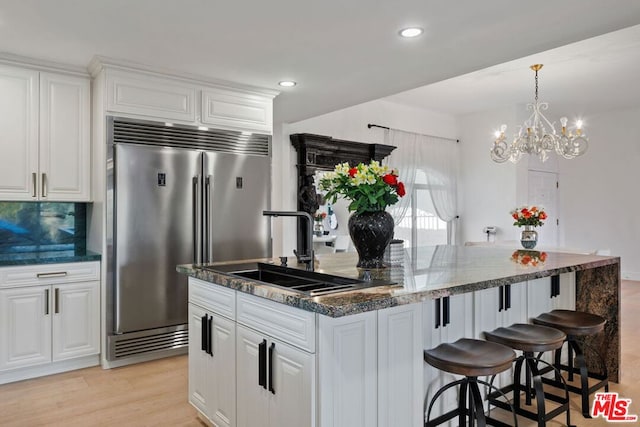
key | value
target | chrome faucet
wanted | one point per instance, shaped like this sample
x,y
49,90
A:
x,y
303,255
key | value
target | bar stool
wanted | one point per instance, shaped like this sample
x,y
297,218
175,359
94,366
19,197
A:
x,y
576,324
530,339
471,358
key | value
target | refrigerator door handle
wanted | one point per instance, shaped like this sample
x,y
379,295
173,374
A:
x,y
196,220
207,240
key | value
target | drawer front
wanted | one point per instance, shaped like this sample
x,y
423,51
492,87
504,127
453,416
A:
x,y
291,325
209,296
44,274
150,96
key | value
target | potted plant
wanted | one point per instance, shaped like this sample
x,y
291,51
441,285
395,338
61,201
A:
x,y
529,217
370,188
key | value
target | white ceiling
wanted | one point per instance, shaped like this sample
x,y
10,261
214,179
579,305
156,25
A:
x,y
342,52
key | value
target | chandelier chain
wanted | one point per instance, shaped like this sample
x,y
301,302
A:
x,y
536,85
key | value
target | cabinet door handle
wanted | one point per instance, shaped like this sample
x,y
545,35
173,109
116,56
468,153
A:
x,y
203,333
34,183
210,337
262,364
555,286
445,311
437,301
507,297
271,348
53,274
46,301
501,298
56,300
44,184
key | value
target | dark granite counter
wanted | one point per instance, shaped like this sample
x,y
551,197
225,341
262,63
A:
x,y
426,273
47,257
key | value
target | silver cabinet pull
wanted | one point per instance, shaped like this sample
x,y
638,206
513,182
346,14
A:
x,y
56,300
46,302
34,182
53,274
44,184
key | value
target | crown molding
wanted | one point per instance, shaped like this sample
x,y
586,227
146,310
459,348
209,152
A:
x,y
99,63
41,65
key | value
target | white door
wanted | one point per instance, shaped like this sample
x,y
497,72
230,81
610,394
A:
x,y
543,191
198,377
292,386
76,320
25,326
252,396
18,134
221,372
64,138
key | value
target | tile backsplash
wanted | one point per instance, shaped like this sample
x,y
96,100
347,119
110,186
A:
x,y
42,226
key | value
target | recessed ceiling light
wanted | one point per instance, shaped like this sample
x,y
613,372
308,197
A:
x,y
411,32
287,83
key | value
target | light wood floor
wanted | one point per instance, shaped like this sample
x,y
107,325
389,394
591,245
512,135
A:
x,y
155,393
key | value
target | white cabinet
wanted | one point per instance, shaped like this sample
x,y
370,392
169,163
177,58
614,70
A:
x,y
241,111
44,136
172,99
18,133
49,316
551,293
25,327
445,319
251,361
275,382
212,366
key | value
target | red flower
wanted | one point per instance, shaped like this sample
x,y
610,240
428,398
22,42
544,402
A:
x,y
543,256
526,213
400,189
543,215
515,216
390,179
353,172
525,259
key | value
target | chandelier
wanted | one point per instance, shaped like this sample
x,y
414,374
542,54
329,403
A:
x,y
538,136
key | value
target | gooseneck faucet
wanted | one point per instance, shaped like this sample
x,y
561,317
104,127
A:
x,y
303,255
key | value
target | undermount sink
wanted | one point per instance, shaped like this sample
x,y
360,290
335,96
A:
x,y
306,282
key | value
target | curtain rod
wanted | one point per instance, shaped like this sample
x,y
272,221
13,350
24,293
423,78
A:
x,y
371,125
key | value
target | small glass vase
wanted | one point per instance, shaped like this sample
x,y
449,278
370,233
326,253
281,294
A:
x,y
529,237
318,229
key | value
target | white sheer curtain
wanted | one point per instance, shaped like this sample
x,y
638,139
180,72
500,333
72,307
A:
x,y
422,157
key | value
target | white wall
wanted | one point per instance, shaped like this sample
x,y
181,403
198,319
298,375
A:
x,y
487,190
599,191
349,124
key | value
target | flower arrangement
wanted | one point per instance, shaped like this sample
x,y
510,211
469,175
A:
x,y
319,216
370,188
532,258
529,215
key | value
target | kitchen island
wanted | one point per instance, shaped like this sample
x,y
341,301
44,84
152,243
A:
x,y
355,358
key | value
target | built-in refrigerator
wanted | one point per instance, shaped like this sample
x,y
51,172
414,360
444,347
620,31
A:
x,y
176,195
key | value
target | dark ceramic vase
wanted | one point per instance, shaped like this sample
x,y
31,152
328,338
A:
x,y
371,232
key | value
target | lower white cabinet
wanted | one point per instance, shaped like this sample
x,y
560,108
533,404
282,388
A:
x,y
212,363
274,380
44,324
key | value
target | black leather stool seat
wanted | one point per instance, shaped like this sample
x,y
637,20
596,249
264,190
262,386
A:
x,y
470,357
526,337
575,323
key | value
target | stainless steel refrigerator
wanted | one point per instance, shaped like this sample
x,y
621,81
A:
x,y
176,195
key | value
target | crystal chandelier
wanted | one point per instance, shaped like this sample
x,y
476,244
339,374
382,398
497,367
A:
x,y
538,136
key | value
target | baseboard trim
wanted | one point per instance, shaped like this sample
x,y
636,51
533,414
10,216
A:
x,y
51,368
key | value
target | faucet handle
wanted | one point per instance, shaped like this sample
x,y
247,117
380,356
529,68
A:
x,y
283,261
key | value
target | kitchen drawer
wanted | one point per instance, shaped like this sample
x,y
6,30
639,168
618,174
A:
x,y
291,325
209,296
45,274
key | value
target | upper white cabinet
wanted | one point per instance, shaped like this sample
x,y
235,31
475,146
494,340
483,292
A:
x,y
226,109
154,97
159,97
44,136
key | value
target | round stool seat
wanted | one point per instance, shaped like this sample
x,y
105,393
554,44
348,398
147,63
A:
x,y
470,357
525,337
572,322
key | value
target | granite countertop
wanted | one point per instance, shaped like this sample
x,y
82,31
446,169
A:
x,y
46,257
426,273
